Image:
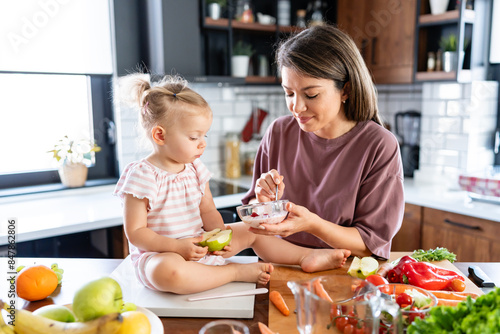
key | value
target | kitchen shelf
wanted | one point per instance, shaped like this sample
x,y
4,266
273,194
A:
x,y
447,17
254,79
468,25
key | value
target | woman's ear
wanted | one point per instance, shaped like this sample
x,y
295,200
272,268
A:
x,y
346,91
158,135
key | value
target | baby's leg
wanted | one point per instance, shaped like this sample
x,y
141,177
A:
x,y
170,272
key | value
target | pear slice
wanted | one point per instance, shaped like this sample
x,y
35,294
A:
x,y
207,235
362,268
220,240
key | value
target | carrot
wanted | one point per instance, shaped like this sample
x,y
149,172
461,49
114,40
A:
x,y
277,299
442,294
320,291
448,302
264,329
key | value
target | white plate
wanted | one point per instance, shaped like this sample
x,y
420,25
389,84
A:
x,y
156,325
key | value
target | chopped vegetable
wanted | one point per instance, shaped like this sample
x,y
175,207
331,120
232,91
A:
x,y
277,299
469,316
438,254
320,291
419,299
264,329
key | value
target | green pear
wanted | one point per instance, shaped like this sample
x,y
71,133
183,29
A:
x,y
219,240
56,312
97,298
208,235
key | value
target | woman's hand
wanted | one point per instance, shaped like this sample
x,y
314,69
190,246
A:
x,y
189,249
265,186
298,220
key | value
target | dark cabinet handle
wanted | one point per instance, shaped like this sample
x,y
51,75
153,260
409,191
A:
x,y
477,228
364,44
374,46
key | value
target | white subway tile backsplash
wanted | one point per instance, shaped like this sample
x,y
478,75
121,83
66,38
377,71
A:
x,y
447,91
222,108
433,108
447,124
458,142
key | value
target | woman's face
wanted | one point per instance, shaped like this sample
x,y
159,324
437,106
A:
x,y
316,104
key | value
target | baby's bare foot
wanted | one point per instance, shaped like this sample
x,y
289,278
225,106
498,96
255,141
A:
x,y
255,272
324,259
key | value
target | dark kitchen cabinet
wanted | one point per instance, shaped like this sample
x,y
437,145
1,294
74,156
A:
x,y
384,32
408,237
471,239
469,22
219,36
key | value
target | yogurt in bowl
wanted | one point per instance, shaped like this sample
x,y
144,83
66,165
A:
x,y
263,213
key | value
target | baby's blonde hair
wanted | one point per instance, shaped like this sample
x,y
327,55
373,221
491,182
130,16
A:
x,y
162,102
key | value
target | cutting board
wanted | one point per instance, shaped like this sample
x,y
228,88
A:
x,y
165,304
278,323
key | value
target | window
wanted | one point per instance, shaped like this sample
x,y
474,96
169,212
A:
x,y
56,68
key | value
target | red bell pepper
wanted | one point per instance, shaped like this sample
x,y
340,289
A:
x,y
428,276
394,275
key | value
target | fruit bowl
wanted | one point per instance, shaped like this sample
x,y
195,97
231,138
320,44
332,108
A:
x,y
263,213
418,306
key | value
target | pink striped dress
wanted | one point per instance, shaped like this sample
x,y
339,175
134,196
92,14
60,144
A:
x,y
173,208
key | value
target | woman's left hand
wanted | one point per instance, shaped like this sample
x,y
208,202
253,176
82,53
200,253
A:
x,y
298,220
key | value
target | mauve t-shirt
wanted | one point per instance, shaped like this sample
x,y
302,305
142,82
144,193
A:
x,y
353,180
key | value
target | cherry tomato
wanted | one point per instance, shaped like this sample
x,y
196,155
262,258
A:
x,y
457,285
341,323
334,312
376,279
403,299
415,314
349,329
360,330
353,319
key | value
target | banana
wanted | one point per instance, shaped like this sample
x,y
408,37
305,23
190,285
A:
x,y
4,328
29,323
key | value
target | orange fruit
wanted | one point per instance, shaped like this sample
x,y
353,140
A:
x,y
36,282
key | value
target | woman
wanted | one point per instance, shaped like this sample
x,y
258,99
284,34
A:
x,y
342,169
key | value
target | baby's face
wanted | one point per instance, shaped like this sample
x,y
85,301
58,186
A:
x,y
186,140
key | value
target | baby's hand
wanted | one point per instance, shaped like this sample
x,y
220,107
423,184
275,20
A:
x,y
190,250
226,250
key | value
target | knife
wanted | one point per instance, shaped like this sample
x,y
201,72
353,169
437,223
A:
x,y
480,278
229,294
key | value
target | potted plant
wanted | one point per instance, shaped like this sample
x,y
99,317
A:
x,y
449,45
74,157
215,8
241,58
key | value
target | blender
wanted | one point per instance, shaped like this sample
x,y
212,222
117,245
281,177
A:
x,y
407,126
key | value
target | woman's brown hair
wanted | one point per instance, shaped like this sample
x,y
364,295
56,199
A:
x,y
326,52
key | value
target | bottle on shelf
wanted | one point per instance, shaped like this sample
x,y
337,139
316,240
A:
x,y
317,18
233,167
284,12
301,18
431,61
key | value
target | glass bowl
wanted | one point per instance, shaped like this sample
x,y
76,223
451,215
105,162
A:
x,y
263,213
411,312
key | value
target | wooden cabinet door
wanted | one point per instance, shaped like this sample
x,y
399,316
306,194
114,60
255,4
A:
x,y
384,32
471,239
408,237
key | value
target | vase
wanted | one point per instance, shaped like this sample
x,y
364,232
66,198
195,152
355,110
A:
x,y
452,60
214,11
239,66
438,6
73,174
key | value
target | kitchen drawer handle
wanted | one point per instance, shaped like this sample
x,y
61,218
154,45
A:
x,y
374,46
364,44
447,221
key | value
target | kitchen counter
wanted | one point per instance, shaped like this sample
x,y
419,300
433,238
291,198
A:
x,y
86,209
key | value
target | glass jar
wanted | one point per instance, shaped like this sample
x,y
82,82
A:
x,y
232,155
